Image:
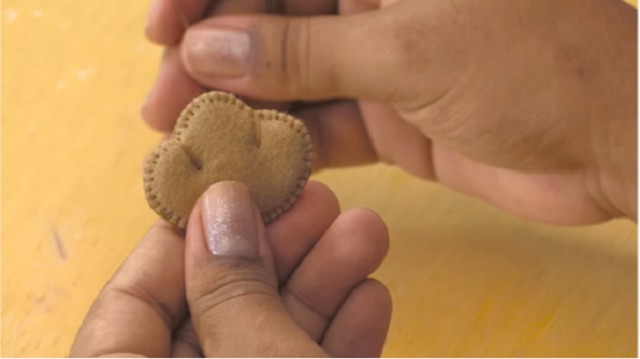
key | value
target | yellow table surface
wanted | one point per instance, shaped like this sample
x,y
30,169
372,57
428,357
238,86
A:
x,y
467,279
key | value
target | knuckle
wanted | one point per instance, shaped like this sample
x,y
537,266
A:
x,y
295,53
114,292
234,279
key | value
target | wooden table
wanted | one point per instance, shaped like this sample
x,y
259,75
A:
x,y
467,279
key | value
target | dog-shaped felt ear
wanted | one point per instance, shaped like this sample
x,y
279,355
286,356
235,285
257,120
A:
x,y
219,138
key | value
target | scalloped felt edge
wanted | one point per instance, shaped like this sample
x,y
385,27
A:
x,y
182,125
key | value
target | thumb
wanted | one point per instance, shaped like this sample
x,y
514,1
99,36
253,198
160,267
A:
x,y
231,284
305,58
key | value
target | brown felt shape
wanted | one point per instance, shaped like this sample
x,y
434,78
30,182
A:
x,y
219,138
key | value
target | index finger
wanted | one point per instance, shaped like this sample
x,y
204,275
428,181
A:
x,y
168,19
137,311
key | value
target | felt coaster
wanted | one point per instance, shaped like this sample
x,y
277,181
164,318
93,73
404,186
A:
x,y
218,138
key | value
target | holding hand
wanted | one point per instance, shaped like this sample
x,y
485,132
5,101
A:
x,y
530,105
235,288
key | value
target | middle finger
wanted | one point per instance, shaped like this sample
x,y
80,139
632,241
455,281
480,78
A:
x,y
294,234
347,253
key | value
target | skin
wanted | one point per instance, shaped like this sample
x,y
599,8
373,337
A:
x,y
306,294
529,105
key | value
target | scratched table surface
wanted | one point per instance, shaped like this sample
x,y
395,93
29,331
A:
x,y
467,279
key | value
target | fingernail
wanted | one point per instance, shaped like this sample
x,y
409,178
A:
x,y
217,52
229,223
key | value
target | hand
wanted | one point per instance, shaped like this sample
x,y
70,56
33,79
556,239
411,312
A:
x,y
166,25
527,104
235,288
